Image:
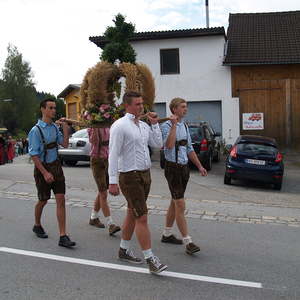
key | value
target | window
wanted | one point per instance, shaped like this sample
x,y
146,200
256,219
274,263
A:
x,y
196,134
169,61
257,149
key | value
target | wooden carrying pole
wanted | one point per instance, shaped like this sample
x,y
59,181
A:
x,y
85,125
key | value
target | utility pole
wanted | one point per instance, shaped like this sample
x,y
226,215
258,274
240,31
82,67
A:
x,y
207,14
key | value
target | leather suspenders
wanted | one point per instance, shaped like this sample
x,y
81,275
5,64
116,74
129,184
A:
x,y
180,143
50,145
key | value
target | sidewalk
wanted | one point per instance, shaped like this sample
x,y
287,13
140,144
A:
x,y
218,211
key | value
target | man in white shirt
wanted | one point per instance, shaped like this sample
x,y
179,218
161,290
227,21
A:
x,y
129,155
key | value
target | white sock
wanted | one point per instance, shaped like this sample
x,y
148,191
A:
x,y
186,240
167,231
147,253
94,215
125,244
109,220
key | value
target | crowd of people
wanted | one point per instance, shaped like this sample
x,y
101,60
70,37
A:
x,y
10,148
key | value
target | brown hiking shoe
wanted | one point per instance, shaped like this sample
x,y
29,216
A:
x,y
191,248
155,266
127,255
112,229
97,223
172,239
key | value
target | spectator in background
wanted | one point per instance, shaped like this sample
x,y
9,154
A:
x,y
2,145
20,147
10,149
16,148
24,146
5,149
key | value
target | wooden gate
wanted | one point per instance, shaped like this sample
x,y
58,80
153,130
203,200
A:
x,y
279,101
295,114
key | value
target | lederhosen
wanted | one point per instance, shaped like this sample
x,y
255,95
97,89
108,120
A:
x,y
99,168
135,186
58,186
177,175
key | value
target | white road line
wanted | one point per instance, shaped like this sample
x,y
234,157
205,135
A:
x,y
100,264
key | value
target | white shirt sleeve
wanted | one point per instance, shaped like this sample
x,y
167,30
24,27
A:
x,y
155,136
115,144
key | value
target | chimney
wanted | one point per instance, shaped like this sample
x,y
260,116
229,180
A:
x,y
207,14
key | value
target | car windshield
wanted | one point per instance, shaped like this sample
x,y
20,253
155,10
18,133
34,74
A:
x,y
80,134
257,149
196,134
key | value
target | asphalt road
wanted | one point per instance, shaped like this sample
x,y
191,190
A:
x,y
263,254
237,261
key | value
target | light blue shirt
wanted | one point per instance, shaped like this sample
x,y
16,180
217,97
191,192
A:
x,y
182,133
51,134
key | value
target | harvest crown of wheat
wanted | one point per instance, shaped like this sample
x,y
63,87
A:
x,y
101,88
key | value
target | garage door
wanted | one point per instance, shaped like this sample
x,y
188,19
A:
x,y
160,109
208,111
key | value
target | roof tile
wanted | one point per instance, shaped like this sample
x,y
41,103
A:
x,y
259,38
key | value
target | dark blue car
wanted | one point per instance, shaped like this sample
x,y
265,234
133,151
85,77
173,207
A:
x,y
255,158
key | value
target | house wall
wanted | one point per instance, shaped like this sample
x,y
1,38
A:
x,y
73,99
202,76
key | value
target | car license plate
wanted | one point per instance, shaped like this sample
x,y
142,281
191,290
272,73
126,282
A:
x,y
255,162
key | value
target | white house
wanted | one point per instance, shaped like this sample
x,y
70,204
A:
x,y
189,64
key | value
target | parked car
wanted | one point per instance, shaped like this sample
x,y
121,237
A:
x,y
205,142
255,158
78,150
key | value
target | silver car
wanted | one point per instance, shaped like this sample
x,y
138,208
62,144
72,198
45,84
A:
x,y
78,150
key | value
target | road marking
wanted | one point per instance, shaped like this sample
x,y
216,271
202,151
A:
x,y
100,264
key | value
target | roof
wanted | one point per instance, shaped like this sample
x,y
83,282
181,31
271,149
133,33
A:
x,y
263,38
68,90
257,138
168,34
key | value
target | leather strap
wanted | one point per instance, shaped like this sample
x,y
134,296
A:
x,y
50,145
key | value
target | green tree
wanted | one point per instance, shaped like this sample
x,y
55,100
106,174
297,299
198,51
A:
x,y
118,46
60,104
17,84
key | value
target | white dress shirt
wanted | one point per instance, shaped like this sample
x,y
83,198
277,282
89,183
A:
x,y
128,146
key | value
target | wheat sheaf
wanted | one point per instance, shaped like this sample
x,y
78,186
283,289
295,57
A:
x,y
98,83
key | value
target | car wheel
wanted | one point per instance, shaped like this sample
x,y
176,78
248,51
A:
x,y
162,160
208,163
227,179
217,156
277,186
70,162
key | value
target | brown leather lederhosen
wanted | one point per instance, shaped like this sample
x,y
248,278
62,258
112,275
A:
x,y
99,168
177,175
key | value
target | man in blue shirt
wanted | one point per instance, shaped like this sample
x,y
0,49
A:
x,y
44,139
178,150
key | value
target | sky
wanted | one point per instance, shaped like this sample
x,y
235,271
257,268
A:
x,y
53,35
